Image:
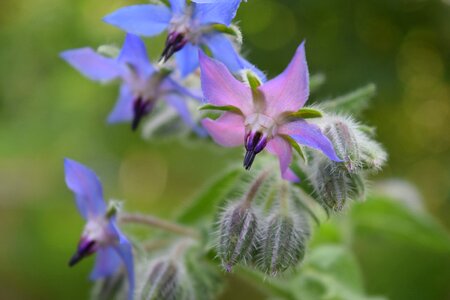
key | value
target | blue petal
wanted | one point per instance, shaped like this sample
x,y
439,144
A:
x,y
134,53
180,105
123,110
107,263
222,12
177,6
187,59
173,85
87,188
125,251
145,19
223,50
310,135
91,64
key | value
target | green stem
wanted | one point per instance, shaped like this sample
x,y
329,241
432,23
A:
x,y
158,223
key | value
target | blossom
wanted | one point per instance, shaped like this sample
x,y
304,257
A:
x,y
101,234
190,27
141,84
262,117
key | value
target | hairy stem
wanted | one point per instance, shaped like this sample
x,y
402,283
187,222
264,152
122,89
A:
x,y
250,195
158,223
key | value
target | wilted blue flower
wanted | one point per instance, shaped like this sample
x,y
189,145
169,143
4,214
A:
x,y
142,85
189,27
101,234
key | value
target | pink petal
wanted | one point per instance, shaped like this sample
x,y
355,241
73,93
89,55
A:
x,y
228,130
221,88
279,147
309,135
289,90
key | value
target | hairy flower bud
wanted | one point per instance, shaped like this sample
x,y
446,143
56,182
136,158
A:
x,y
335,186
282,245
341,132
162,281
238,231
373,155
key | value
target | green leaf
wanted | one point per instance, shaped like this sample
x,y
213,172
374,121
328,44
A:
x,y
221,108
205,204
306,113
353,102
330,272
389,217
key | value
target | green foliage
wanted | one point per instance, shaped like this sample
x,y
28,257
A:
x,y
354,102
204,206
392,218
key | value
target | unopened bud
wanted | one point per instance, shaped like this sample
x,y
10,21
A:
x,y
341,133
373,155
283,242
335,186
162,281
238,232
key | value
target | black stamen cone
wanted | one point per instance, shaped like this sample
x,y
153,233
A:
x,y
75,258
174,42
168,51
82,252
140,108
249,158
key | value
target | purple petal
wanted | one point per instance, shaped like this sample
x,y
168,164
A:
x,y
187,59
144,19
228,130
309,135
219,12
91,64
223,50
171,85
279,147
107,263
123,110
180,105
87,189
134,53
221,88
289,90
177,6
125,251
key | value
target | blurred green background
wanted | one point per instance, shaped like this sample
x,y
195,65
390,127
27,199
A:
x,y
48,111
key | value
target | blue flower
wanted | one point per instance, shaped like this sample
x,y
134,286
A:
x,y
189,27
101,234
142,85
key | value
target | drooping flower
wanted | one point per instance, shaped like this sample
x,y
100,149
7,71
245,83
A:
x,y
101,234
141,84
190,27
262,117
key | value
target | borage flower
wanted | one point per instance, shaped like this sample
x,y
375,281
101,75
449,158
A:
x,y
142,85
100,235
265,116
189,27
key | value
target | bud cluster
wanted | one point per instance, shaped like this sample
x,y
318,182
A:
x,y
264,231
337,182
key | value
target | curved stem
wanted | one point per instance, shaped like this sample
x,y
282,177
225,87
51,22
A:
x,y
158,223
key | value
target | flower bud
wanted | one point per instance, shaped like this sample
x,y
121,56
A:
x,y
163,280
283,242
238,232
335,186
341,133
373,155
